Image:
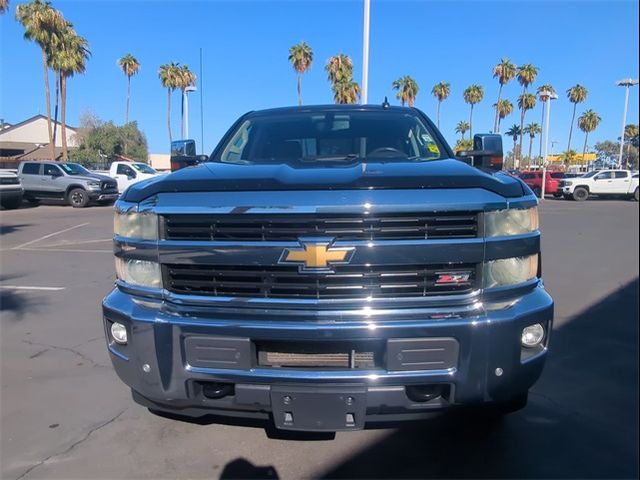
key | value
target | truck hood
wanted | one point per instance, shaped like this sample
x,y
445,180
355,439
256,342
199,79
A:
x,y
92,177
216,177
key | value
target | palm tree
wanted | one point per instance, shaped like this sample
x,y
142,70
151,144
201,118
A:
x,y
547,87
576,94
514,132
346,91
462,128
532,129
631,137
41,22
588,122
186,78
441,91
168,74
407,90
301,57
339,68
130,66
4,6
526,101
70,58
504,108
504,71
472,95
527,74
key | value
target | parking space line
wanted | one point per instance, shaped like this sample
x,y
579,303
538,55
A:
x,y
49,236
62,250
21,287
79,242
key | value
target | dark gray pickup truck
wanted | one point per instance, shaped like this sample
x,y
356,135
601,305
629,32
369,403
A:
x,y
327,267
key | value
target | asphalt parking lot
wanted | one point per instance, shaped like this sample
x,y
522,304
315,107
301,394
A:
x,y
65,414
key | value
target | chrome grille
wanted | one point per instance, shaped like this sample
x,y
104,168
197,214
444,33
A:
x,y
251,227
348,281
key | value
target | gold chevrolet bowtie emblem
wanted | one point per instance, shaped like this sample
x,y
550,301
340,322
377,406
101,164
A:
x,y
316,256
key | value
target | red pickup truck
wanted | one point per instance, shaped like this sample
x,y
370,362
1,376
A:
x,y
534,180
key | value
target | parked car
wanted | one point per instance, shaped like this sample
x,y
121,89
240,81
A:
x,y
552,181
128,173
601,183
10,189
65,181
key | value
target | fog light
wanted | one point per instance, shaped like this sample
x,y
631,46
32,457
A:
x,y
119,333
532,335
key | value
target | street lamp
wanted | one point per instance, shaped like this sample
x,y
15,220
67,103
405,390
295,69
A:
x,y
185,102
627,82
547,96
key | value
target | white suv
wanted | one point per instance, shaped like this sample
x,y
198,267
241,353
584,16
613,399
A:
x,y
601,183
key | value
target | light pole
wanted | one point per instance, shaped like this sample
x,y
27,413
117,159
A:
x,y
185,99
627,82
548,96
365,52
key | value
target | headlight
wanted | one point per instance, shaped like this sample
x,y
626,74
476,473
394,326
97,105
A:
x,y
567,183
139,272
143,225
513,221
509,271
93,185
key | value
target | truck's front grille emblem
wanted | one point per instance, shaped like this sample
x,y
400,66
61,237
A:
x,y
316,256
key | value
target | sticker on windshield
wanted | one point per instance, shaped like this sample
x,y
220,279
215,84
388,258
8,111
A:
x,y
433,148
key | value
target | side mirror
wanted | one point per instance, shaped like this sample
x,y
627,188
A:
x,y
183,148
487,152
131,175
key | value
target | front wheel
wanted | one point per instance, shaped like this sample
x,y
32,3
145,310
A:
x,y
636,194
580,194
557,195
12,203
78,198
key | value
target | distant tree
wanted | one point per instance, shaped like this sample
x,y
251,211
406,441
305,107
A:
x,y
504,71
130,67
462,127
185,78
607,151
339,70
346,92
169,76
462,145
532,129
526,75
588,122
407,89
514,132
41,24
526,101
4,6
576,94
472,95
441,91
301,57
504,108
569,157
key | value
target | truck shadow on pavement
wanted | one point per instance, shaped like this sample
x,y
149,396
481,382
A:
x,y
581,421
15,304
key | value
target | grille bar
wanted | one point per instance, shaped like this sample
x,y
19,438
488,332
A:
x,y
348,281
249,227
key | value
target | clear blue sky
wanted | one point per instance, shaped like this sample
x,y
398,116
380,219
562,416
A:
x,y
245,46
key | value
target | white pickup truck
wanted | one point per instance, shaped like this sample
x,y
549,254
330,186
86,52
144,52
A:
x,y
128,173
601,183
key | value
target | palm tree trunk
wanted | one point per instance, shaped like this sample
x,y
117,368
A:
x,y
182,114
584,149
52,147
169,113
471,122
496,123
542,127
63,113
573,119
299,88
530,146
126,118
439,102
522,112
55,110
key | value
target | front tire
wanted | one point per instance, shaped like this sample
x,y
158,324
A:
x,y
636,194
580,194
12,203
78,198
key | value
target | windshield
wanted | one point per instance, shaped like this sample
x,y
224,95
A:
x,y
144,168
590,174
331,137
74,169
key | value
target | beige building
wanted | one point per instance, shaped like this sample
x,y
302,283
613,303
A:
x,y
160,161
29,140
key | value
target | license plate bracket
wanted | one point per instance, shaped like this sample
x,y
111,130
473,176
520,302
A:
x,y
319,409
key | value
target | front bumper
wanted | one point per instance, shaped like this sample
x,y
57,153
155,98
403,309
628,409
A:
x,y
156,365
11,193
101,196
